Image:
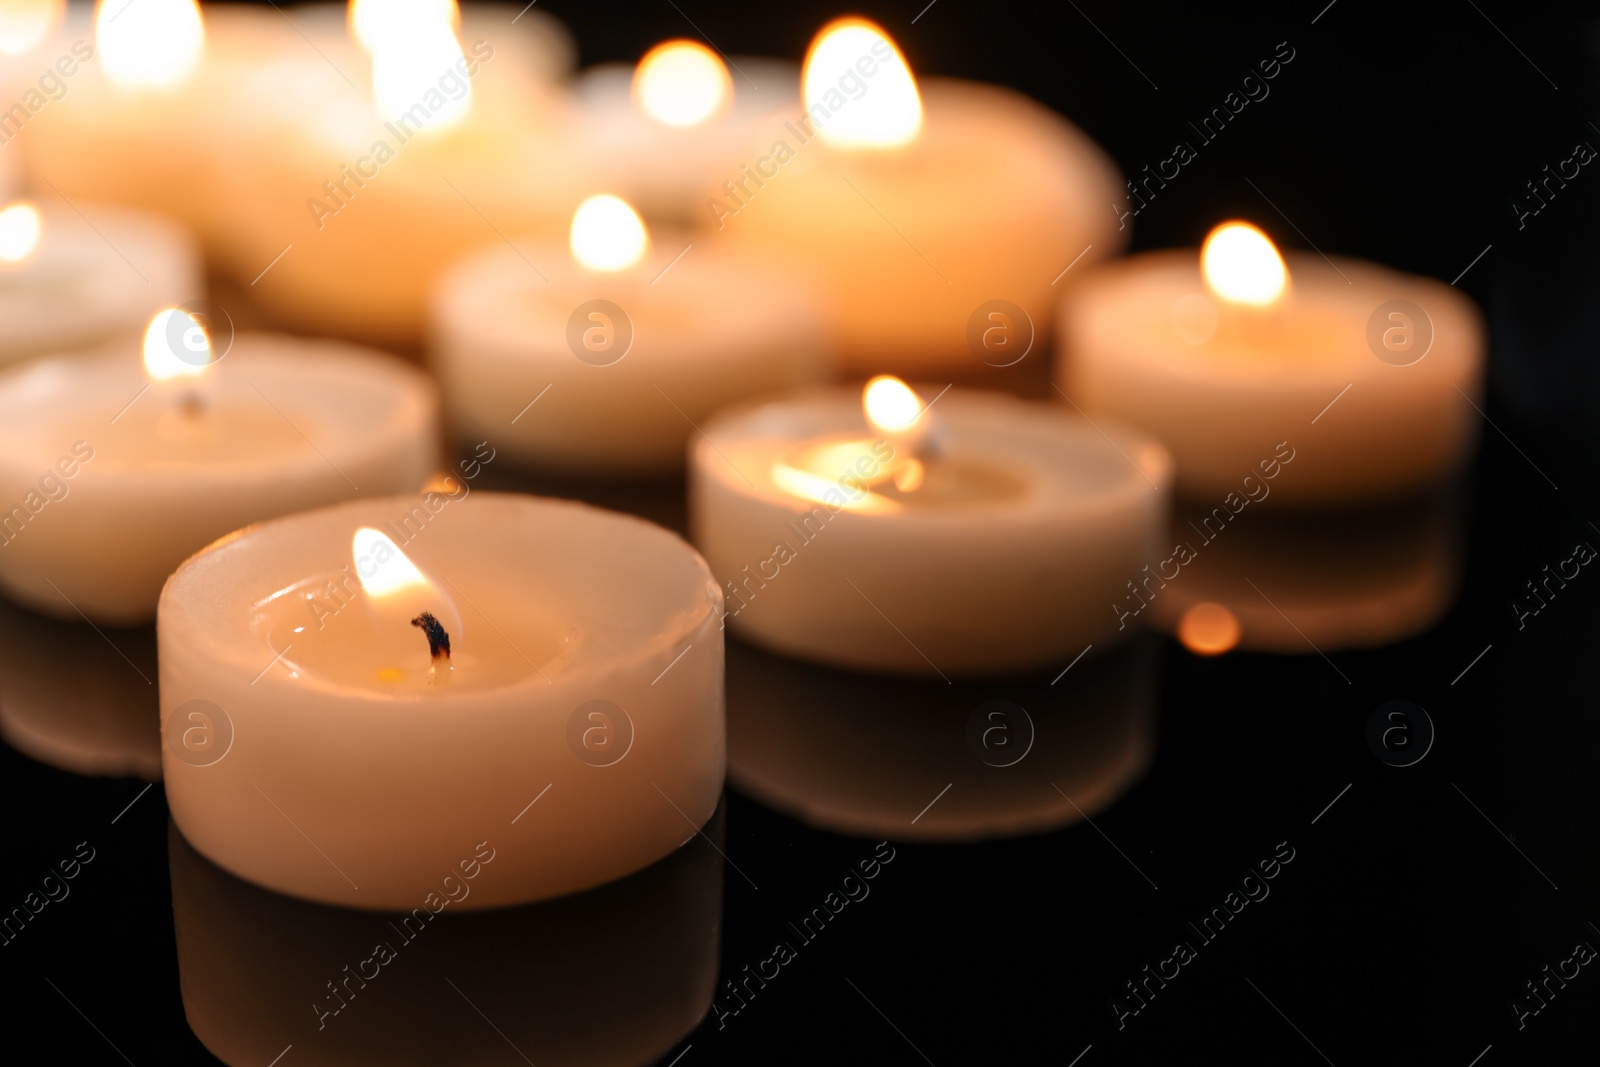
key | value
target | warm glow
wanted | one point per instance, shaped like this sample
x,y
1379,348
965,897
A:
x,y
149,42
681,83
409,60
854,109
1242,266
20,227
381,567
374,22
607,234
841,490
1208,629
24,23
175,346
891,405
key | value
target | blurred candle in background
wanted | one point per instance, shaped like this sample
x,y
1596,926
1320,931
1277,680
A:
x,y
919,206
1236,358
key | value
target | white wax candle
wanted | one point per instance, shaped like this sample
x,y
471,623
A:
x,y
432,146
1022,530
580,708
1367,376
109,480
668,131
91,275
609,367
917,760
920,206
250,961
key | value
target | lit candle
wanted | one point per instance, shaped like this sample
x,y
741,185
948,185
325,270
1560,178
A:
x,y
668,128
991,544
921,206
425,143
1235,359
585,678
917,760
71,281
112,473
604,356
250,962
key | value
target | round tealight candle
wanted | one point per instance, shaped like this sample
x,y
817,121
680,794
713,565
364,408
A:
x,y
605,357
989,541
583,675
111,474
429,147
666,129
71,281
932,212
1368,376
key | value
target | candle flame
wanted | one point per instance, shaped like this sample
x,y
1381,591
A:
x,y
1242,266
374,22
607,234
154,43
176,345
381,567
682,83
410,59
892,406
1208,629
24,23
882,109
20,229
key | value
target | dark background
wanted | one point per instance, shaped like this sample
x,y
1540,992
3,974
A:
x,y
1408,920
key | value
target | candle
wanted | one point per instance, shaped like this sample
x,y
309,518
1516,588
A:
x,y
977,536
926,209
917,760
88,275
572,696
667,129
604,359
1303,582
429,147
1367,377
112,473
79,698
249,962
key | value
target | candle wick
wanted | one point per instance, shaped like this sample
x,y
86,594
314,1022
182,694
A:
x,y
438,642
192,405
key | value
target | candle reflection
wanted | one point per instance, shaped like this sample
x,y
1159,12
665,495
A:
x,y
865,755
613,976
80,699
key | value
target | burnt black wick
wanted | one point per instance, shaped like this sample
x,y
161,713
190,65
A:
x,y
438,639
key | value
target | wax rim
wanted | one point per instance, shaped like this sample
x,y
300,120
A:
x,y
748,417
230,646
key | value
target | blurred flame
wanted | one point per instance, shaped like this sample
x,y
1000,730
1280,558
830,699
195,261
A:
x,y
24,23
1208,629
374,22
1242,265
409,58
607,234
909,478
391,570
161,362
885,112
682,83
149,42
891,405
20,228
